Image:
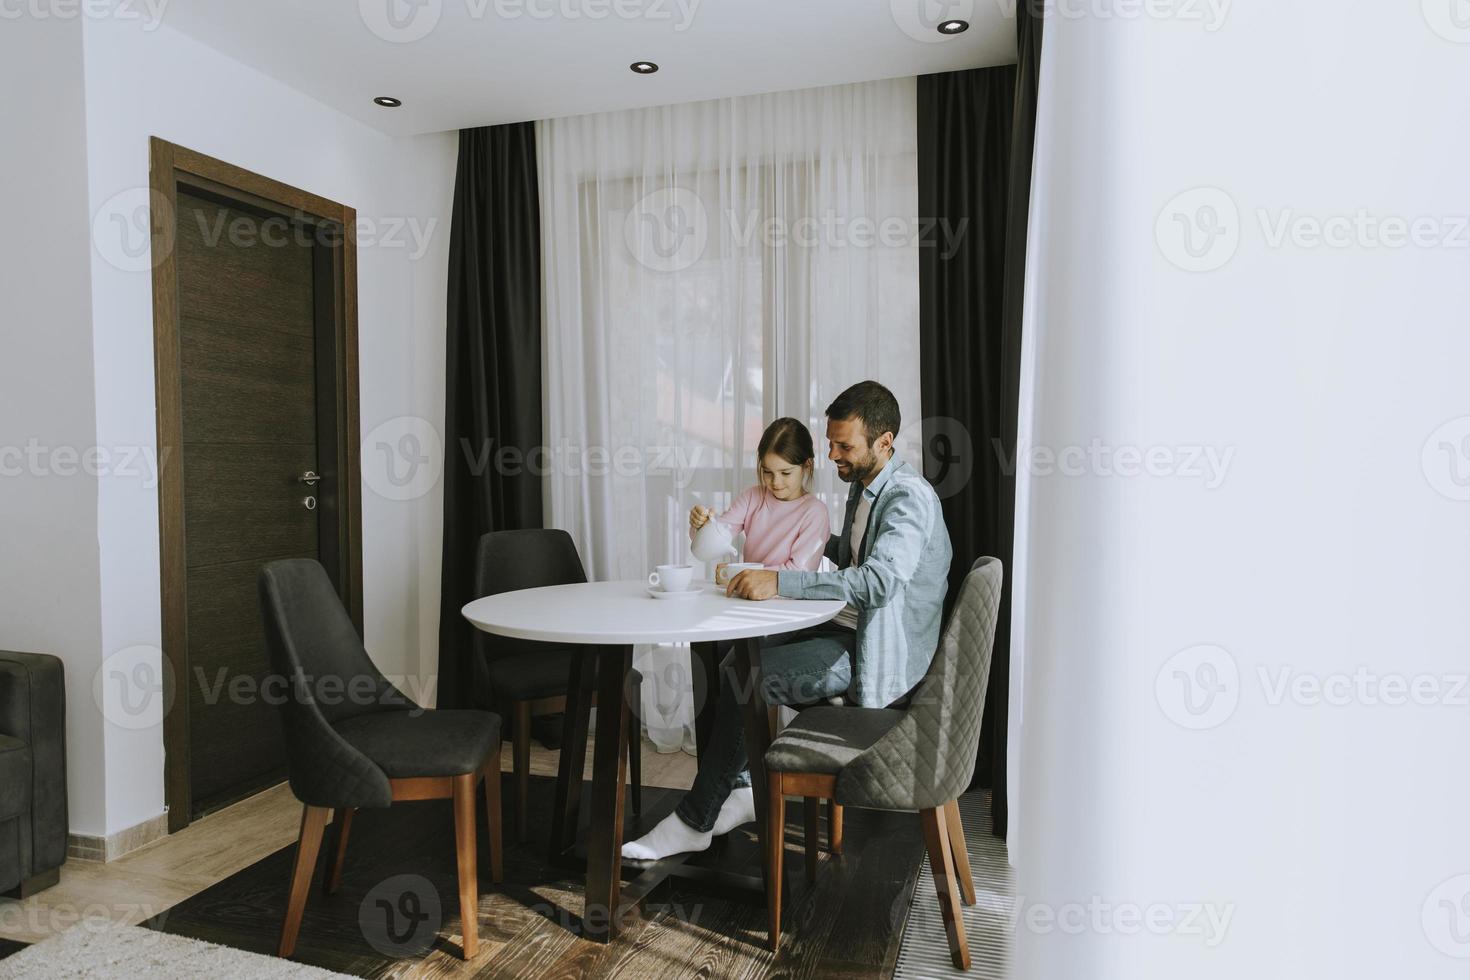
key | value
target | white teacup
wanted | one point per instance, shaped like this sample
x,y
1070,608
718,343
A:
x,y
671,578
734,568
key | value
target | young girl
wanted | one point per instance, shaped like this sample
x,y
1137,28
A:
x,y
785,526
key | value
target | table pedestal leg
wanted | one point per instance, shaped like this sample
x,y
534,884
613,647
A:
x,y
705,666
757,740
603,906
578,710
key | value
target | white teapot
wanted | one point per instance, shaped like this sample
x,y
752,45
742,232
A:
x,y
712,542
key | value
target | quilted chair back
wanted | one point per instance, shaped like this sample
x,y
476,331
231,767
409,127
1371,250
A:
x,y
927,759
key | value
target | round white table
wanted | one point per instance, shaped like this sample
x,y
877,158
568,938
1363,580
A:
x,y
608,618
622,613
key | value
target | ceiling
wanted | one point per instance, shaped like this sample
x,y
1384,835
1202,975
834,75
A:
x,y
459,63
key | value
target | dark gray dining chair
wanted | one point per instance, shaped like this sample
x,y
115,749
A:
x,y
918,758
354,740
529,678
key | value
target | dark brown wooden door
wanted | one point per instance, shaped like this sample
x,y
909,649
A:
x,y
247,362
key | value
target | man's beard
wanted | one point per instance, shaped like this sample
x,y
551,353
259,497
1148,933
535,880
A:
x,y
860,470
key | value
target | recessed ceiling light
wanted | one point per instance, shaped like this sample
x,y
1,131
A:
x,y
954,27
388,102
644,67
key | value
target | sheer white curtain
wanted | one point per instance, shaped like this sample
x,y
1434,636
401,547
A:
x,y
709,267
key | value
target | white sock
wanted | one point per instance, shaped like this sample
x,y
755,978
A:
x,y
738,809
670,836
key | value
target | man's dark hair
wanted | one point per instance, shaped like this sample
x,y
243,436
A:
x,y
872,404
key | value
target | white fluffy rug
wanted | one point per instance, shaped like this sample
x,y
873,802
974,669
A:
x,y
87,950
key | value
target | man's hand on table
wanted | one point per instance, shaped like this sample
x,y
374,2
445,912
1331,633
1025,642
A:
x,y
753,584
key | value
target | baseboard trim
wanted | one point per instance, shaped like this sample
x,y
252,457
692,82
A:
x,y
89,847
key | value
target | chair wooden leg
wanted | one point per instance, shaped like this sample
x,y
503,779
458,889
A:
x,y
342,819
959,850
493,818
521,763
464,850
775,853
811,808
834,827
936,841
308,845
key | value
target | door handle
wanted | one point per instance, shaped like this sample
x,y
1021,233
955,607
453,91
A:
x,y
309,478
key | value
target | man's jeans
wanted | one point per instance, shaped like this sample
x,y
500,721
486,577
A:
x,y
796,668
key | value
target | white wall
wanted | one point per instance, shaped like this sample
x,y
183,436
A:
x,y
48,502
140,83
1329,833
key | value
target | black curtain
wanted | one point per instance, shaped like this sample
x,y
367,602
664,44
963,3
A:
x,y
976,130
492,403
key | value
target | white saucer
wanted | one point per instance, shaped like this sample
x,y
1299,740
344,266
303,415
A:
x,y
660,594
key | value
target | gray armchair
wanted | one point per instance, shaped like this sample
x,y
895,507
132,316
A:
x,y
33,821
920,758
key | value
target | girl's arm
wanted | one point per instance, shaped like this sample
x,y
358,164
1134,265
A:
x,y
738,514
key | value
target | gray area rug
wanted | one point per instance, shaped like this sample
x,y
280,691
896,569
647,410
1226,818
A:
x,y
93,950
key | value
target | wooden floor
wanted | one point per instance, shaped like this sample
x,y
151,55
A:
x,y
140,885
223,879
396,912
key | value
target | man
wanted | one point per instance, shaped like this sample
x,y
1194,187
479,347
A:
x,y
892,563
